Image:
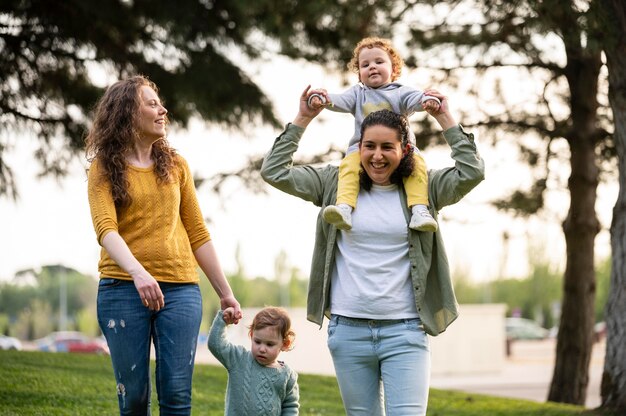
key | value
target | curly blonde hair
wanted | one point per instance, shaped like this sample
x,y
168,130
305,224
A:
x,y
385,44
273,316
114,133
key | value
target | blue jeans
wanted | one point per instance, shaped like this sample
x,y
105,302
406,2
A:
x,y
130,327
368,352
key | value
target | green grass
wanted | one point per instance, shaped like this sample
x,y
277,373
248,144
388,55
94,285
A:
x,y
36,383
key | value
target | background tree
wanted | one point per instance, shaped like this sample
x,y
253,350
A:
x,y
547,48
50,52
612,27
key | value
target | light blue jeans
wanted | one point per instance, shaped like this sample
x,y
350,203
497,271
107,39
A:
x,y
130,327
382,366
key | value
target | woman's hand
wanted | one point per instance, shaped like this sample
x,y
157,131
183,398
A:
x,y
318,99
442,113
229,316
148,288
232,310
435,110
149,291
306,113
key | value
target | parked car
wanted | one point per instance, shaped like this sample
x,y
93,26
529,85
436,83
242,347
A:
x,y
71,341
10,343
599,331
521,328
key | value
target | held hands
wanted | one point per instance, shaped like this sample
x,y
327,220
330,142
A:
x,y
319,99
430,103
441,113
149,291
306,113
232,311
433,107
230,316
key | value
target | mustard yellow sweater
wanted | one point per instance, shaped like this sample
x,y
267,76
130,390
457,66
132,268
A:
x,y
162,226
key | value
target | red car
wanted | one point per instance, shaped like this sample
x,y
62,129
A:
x,y
71,341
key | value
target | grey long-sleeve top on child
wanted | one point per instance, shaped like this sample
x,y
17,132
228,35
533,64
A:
x,y
361,100
253,389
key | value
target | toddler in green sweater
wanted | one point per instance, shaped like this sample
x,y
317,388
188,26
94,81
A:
x,y
258,384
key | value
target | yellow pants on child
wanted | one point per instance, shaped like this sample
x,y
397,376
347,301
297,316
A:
x,y
415,186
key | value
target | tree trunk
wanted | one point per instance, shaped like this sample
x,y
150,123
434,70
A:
x,y
575,337
613,390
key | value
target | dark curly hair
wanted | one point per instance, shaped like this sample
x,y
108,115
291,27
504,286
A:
x,y
396,122
114,133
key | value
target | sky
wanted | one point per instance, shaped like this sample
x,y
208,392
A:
x,y
50,223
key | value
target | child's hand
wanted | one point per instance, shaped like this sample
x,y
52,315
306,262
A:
x,y
430,105
229,316
442,115
318,99
229,302
305,113
439,108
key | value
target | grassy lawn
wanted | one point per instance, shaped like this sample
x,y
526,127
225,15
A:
x,y
36,383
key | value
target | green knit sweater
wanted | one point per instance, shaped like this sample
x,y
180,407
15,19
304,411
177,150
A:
x,y
253,389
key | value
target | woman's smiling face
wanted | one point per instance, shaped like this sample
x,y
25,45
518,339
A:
x,y
152,115
381,153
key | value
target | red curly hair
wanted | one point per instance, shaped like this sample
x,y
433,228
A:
x,y
385,44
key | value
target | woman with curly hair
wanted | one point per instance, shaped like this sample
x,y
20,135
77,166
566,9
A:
x,y
152,232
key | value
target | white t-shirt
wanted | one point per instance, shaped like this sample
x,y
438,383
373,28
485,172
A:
x,y
371,276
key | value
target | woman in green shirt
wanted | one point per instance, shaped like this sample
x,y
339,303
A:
x,y
383,286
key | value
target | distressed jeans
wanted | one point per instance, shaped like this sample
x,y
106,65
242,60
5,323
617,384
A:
x,y
130,328
368,352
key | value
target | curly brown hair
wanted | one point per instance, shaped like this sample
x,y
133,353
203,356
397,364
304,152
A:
x,y
273,316
114,133
385,44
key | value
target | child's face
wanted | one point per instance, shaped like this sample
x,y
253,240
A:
x,y
266,345
375,67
